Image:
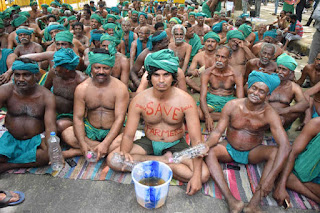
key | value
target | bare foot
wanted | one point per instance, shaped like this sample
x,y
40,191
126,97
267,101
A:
x,y
249,209
13,199
236,206
167,158
72,152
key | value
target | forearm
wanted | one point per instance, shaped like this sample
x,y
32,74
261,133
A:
x,y
197,167
281,157
126,144
114,131
287,170
204,106
298,107
79,130
248,53
134,77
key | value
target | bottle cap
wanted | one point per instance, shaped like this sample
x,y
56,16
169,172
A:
x,y
89,155
52,133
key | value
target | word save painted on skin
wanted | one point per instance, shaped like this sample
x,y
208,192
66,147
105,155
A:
x,y
150,109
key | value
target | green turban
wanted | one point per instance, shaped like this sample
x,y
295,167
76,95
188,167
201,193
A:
x,y
96,17
163,59
213,35
72,18
246,30
134,12
64,36
25,31
44,5
244,15
143,14
24,13
109,26
190,7
32,3
235,34
175,20
113,43
125,3
54,27
287,61
271,80
1,24
66,58
217,13
159,37
192,14
115,9
182,5
31,67
270,33
201,15
114,17
100,58
217,28
19,21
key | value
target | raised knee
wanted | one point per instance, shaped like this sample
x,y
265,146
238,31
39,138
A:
x,y
205,173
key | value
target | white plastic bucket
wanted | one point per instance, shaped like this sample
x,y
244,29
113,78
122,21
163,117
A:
x,y
151,197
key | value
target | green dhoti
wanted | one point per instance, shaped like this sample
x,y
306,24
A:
x,y
94,133
65,115
307,164
217,102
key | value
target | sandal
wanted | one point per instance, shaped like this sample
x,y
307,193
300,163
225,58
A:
x,y
6,201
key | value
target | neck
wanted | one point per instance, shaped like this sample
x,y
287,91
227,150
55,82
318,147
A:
x,y
284,82
162,95
262,65
28,92
101,84
208,52
254,107
178,44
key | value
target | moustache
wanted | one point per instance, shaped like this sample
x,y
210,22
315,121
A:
x,y
218,63
254,96
23,39
101,75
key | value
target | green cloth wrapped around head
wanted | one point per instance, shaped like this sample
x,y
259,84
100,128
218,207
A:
x,y
163,59
1,24
244,15
213,35
271,80
72,18
217,13
246,30
143,14
175,20
217,28
25,31
24,13
66,58
159,37
114,17
287,61
31,67
201,15
32,3
192,14
19,21
54,27
235,34
96,17
190,8
64,36
44,6
134,12
181,5
109,26
113,43
125,3
270,33
100,58
115,9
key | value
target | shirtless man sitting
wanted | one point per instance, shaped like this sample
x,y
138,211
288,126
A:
x,y
263,63
7,58
249,36
100,105
203,59
246,120
271,38
27,46
301,172
181,48
222,79
201,28
141,43
31,111
64,78
312,71
240,52
34,12
163,109
78,31
287,91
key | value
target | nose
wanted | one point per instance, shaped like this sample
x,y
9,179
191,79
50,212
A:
x,y
161,78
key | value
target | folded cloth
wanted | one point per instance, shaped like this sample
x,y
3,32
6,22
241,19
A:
x,y
100,58
20,65
94,133
64,115
307,164
96,17
235,34
19,151
64,36
238,156
19,21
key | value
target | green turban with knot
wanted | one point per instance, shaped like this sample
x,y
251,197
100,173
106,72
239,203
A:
x,y
217,28
271,80
44,5
32,3
163,59
143,14
213,35
109,26
175,20
270,33
159,37
115,9
235,34
1,24
190,7
246,30
244,15
192,14
114,17
31,67
25,31
96,17
134,12
201,15
19,21
55,27
66,58
287,61
113,43
64,36
24,13
72,18
100,58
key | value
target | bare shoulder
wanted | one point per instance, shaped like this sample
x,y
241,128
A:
x,y
308,67
143,96
118,85
83,86
6,89
47,94
81,76
236,72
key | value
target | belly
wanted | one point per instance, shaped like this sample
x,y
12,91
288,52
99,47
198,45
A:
x,y
244,140
101,118
63,105
24,127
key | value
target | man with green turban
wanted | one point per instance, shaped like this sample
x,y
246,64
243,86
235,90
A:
x,y
112,18
240,52
175,20
288,90
52,29
98,115
217,28
30,118
20,20
201,28
63,80
248,34
192,18
34,12
134,19
245,121
26,46
163,108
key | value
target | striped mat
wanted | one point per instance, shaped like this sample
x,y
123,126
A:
x,y
242,183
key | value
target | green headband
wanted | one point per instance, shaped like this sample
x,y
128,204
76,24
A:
x,y
212,35
96,17
25,31
100,58
19,21
66,58
175,20
287,61
31,67
64,36
235,34
163,59
246,30
44,5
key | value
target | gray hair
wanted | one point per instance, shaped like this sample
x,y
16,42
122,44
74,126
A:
x,y
268,45
178,26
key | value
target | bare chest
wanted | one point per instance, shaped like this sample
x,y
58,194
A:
x,y
32,107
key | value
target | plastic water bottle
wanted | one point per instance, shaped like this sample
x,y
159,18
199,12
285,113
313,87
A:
x,y
91,157
119,161
55,153
189,153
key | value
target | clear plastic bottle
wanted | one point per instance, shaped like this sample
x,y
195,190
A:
x,y
189,153
119,161
55,153
91,157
